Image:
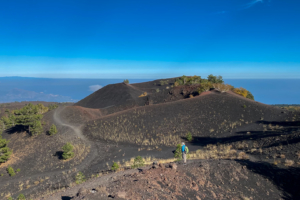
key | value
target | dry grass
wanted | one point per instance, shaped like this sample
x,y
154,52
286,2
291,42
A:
x,y
288,163
218,152
143,95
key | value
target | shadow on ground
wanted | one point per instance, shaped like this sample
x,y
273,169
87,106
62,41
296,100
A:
x,y
287,180
288,128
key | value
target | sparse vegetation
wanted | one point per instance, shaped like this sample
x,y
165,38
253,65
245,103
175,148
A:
x,y
52,106
18,170
243,92
157,90
215,79
67,151
80,178
5,152
115,166
53,130
288,163
143,95
21,197
126,81
11,171
166,82
178,153
138,162
189,136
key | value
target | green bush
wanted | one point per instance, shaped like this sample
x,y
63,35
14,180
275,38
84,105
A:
x,y
21,197
67,151
138,162
9,198
178,153
18,170
189,136
215,79
126,81
5,152
52,106
115,166
52,130
11,171
244,106
80,178
250,96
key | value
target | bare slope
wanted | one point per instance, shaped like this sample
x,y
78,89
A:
x,y
212,115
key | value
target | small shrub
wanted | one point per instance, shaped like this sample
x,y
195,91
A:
x,y
21,197
53,130
80,178
11,171
289,162
250,96
189,136
138,162
206,86
244,106
241,91
18,170
157,90
115,166
68,151
126,81
178,153
9,198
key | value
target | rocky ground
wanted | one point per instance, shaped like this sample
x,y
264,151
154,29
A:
x,y
199,179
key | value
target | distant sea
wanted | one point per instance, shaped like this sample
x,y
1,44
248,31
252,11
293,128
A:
x,y
268,91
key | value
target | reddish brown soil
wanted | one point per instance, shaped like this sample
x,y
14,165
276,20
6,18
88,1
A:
x,y
197,180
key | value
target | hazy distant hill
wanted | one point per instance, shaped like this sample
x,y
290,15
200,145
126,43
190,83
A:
x,y
25,95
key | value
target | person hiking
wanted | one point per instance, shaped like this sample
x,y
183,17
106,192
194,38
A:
x,y
184,150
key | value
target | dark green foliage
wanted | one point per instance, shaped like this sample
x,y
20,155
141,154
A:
x,y
215,79
68,151
21,197
189,136
250,96
52,106
126,81
37,128
5,152
30,116
80,178
138,162
115,166
178,153
11,171
244,106
188,80
52,130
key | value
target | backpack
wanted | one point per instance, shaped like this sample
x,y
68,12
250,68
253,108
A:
x,y
186,149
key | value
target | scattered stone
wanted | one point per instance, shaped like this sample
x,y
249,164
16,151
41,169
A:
x,y
162,166
82,192
173,166
121,194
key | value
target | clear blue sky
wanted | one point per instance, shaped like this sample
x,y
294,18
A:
x,y
150,39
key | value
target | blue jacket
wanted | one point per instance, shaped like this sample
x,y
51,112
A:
x,y
183,148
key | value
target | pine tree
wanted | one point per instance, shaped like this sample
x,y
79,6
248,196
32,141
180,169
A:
x,y
68,151
52,130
